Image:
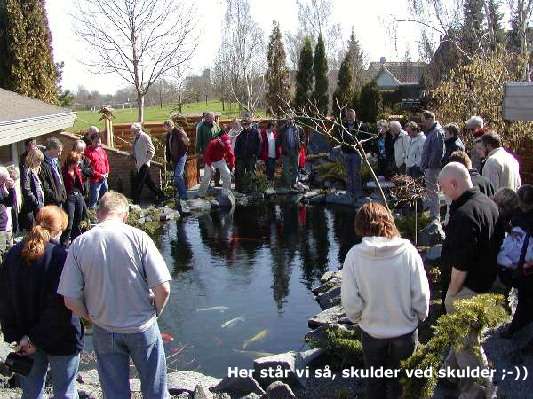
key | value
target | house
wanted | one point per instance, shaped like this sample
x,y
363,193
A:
x,y
23,117
401,81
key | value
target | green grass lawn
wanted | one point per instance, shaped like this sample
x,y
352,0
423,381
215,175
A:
x,y
154,113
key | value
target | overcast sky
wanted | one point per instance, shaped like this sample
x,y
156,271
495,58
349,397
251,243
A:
x,y
367,17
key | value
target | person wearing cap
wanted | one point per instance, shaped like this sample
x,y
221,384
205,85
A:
x,y
247,150
143,152
97,157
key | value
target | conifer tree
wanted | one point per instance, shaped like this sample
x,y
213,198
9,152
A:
x,y
343,95
320,69
304,76
472,34
370,102
277,75
356,56
26,62
495,23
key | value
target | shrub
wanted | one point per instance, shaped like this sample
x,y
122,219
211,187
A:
x,y
342,348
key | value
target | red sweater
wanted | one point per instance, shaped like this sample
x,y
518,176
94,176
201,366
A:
x,y
73,183
264,145
220,148
99,163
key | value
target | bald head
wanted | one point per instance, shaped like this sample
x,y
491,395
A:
x,y
454,180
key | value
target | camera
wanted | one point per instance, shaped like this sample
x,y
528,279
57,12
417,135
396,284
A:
x,y
16,363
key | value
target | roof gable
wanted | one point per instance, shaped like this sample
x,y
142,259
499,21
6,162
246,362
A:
x,y
403,72
14,107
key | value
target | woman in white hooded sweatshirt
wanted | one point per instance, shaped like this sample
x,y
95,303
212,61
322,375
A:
x,y
385,290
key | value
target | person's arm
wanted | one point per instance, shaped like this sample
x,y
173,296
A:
x,y
77,306
457,281
161,295
420,292
49,194
350,299
491,172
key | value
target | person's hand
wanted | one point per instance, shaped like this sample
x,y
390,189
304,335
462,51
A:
x,y
9,183
25,347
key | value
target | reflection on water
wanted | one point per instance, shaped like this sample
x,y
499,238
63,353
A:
x,y
242,280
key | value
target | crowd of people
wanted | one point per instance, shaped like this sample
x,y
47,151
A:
x,y
57,276
490,219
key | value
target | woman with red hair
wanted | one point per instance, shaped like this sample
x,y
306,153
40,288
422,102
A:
x,y
384,290
34,315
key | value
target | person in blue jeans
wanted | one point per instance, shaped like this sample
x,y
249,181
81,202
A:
x,y
34,315
115,257
176,146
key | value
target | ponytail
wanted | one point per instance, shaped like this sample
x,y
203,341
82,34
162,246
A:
x,y
35,242
49,221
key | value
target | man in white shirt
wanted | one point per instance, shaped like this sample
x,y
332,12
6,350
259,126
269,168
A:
x,y
501,168
401,145
115,276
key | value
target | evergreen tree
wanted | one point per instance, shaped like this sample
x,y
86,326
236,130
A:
x,y
26,62
472,34
304,76
343,95
320,68
355,54
495,23
277,75
370,103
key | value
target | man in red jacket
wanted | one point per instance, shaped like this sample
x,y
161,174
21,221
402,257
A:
x,y
96,154
218,155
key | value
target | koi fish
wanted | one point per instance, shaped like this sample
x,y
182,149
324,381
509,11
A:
x,y
221,309
253,354
257,337
166,337
232,322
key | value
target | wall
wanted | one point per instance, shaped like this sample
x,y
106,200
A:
x,y
121,165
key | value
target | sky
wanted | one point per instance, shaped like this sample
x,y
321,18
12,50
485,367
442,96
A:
x,y
367,17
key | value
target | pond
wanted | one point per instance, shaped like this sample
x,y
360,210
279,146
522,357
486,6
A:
x,y
242,282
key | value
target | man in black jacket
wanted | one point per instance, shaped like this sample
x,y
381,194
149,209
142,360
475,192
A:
x,y
472,236
50,174
247,149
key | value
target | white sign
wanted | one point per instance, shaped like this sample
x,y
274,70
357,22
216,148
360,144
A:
x,y
518,101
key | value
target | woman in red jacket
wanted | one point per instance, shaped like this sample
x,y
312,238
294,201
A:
x,y
75,206
270,149
218,155
96,154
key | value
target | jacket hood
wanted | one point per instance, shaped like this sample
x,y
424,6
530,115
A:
x,y
380,247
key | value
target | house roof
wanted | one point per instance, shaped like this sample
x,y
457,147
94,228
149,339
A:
x,y
23,117
403,72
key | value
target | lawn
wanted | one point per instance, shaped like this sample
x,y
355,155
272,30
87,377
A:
x,y
154,113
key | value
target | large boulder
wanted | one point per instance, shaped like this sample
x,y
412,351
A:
x,y
226,199
279,390
198,205
318,143
238,386
186,381
284,367
431,235
339,198
330,275
201,392
330,298
327,317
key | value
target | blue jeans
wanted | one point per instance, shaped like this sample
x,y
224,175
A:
x,y
96,191
352,163
179,181
113,353
64,370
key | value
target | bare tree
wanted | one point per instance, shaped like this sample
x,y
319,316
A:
x,y
241,54
139,40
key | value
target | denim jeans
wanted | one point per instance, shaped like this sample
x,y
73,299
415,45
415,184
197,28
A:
x,y
113,353
386,353
352,163
179,181
270,165
64,370
96,191
432,189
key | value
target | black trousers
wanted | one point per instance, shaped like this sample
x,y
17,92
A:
x,y
386,353
523,314
143,177
244,167
75,208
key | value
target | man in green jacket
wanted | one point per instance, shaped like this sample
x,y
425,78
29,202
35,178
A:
x,y
206,131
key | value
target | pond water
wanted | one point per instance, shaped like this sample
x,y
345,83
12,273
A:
x,y
242,282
